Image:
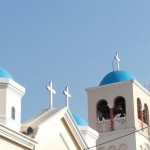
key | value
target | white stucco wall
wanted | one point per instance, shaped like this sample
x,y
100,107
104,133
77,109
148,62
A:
x,y
10,96
90,136
55,135
7,145
141,141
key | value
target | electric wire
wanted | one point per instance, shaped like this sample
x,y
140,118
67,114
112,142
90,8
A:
x,y
116,138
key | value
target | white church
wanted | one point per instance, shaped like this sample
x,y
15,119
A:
x,y
118,117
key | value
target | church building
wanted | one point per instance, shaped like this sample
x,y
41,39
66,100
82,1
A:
x,y
52,128
118,117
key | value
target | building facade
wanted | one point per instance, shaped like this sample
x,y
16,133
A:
x,y
56,129
118,117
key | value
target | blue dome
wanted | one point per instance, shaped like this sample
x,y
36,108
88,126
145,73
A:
x,y
116,76
5,74
79,120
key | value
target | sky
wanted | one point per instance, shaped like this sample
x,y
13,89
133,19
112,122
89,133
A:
x,y
73,44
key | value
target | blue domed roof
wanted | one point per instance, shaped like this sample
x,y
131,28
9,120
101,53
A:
x,y
5,74
116,76
79,120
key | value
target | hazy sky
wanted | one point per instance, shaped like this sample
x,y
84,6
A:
x,y
71,43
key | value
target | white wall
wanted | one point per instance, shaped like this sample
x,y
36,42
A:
x,y
7,145
55,135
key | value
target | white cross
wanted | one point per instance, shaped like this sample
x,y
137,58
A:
x,y
66,93
117,60
51,91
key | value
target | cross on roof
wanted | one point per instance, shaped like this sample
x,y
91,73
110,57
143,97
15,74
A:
x,y
68,95
51,91
117,61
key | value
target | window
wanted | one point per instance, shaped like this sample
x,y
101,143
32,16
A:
x,y
145,114
103,111
13,113
139,107
119,106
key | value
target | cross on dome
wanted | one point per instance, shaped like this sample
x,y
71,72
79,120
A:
x,y
68,95
117,59
51,91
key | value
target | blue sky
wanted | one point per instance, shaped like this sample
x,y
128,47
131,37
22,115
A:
x,y
71,43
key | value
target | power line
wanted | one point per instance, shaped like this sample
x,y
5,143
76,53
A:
x,y
116,138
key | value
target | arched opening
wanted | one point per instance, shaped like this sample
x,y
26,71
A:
x,y
145,114
139,107
13,113
119,107
112,148
123,147
103,111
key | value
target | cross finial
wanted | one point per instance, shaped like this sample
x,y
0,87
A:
x,y
51,91
117,60
68,95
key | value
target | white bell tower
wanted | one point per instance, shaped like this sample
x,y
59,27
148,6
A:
x,y
10,101
119,110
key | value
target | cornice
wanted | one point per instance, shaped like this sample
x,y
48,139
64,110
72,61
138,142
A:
x,y
17,137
